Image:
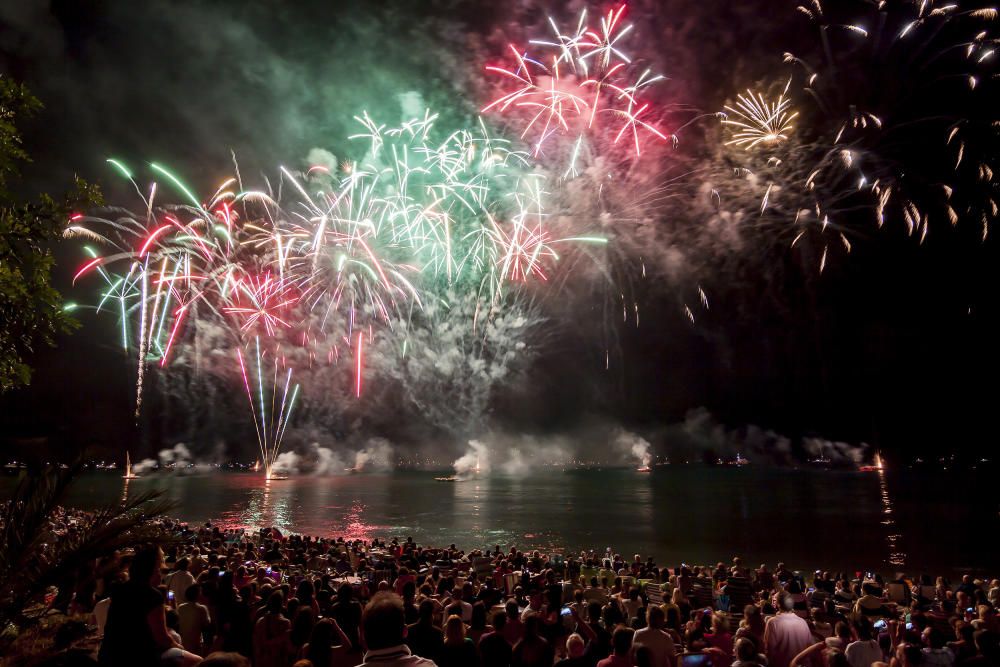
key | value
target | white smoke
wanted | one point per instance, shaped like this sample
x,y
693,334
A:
x,y
176,459
636,446
836,452
377,455
316,459
475,459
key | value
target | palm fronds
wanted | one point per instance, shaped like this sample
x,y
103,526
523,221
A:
x,y
33,558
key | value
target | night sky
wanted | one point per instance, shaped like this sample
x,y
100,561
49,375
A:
x,y
895,345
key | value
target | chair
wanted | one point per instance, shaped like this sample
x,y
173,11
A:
x,y
740,593
702,596
898,594
654,593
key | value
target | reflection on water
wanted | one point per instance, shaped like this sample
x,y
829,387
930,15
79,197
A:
x,y
893,538
676,513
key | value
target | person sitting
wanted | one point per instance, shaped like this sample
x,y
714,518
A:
x,y
458,650
575,653
935,653
747,655
533,650
321,650
194,620
383,628
136,633
866,650
495,650
660,644
621,642
423,637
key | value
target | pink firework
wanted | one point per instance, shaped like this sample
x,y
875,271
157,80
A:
x,y
262,300
578,84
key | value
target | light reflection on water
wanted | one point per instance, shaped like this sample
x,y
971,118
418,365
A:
x,y
893,538
807,518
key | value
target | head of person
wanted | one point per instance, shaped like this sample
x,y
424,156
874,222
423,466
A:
x,y
843,631
532,625
835,658
621,640
787,602
864,629
478,616
655,617
321,639
934,638
183,564
192,593
754,619
909,655
499,621
305,591
225,659
594,611
275,602
575,646
644,657
425,611
383,622
511,609
454,630
145,566
720,624
345,593
988,644
745,650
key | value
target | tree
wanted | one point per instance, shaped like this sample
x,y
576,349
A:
x,y
31,310
36,553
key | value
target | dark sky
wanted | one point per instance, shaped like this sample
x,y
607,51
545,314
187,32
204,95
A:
x,y
895,346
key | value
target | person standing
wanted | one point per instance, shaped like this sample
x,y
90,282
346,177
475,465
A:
x,y
786,635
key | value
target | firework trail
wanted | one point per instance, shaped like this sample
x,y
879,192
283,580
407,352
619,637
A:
x,y
270,427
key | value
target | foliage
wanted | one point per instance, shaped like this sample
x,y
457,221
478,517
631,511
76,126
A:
x,y
31,310
35,557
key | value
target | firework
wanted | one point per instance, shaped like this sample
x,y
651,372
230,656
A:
x,y
578,84
270,421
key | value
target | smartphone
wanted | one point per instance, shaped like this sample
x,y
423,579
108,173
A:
x,y
880,624
696,660
909,626
970,610
170,595
566,611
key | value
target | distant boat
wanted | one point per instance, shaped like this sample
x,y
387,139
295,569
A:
x,y
128,469
644,469
878,465
452,478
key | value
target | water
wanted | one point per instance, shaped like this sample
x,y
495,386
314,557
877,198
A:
x,y
807,518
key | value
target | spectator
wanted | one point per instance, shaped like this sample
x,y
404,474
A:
x,y
656,640
458,650
621,642
194,620
786,635
383,626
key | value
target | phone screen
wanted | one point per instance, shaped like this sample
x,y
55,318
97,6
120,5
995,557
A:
x,y
566,611
696,660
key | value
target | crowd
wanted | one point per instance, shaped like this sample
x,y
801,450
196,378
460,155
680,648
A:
x,y
230,598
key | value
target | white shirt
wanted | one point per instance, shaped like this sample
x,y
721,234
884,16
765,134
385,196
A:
x,y
863,653
785,636
395,656
179,582
659,643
